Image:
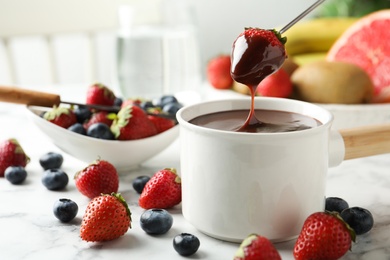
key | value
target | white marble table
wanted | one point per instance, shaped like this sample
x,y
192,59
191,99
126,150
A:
x,y
29,230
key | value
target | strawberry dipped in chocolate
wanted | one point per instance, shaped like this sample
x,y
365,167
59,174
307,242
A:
x,y
256,54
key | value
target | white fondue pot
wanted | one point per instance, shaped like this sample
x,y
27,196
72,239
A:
x,y
235,183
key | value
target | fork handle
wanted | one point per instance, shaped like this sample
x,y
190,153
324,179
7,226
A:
x,y
28,97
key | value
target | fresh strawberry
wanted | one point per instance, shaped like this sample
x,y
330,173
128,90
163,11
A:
x,y
100,117
61,116
163,190
132,101
99,94
256,247
218,72
324,235
277,84
12,154
161,124
98,177
256,54
132,123
106,217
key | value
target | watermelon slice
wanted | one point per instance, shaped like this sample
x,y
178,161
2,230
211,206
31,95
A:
x,y
366,43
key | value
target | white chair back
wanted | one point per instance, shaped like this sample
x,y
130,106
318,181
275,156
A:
x,y
56,41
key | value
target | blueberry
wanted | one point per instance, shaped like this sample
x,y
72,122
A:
x,y
78,128
65,209
359,219
163,100
15,174
51,160
55,179
186,244
335,204
145,105
171,108
156,221
100,131
82,114
139,183
118,101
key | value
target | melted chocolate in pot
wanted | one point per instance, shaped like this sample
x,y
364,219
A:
x,y
272,121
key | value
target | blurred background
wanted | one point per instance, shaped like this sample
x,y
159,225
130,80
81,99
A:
x,y
77,33
218,23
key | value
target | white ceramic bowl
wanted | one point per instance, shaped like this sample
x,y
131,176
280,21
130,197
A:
x,y
124,155
349,116
264,183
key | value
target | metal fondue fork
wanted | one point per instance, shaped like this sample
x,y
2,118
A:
x,y
299,17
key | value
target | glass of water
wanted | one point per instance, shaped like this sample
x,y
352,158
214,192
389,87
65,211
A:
x,y
157,49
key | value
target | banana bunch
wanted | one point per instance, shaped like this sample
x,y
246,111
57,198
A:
x,y
311,39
